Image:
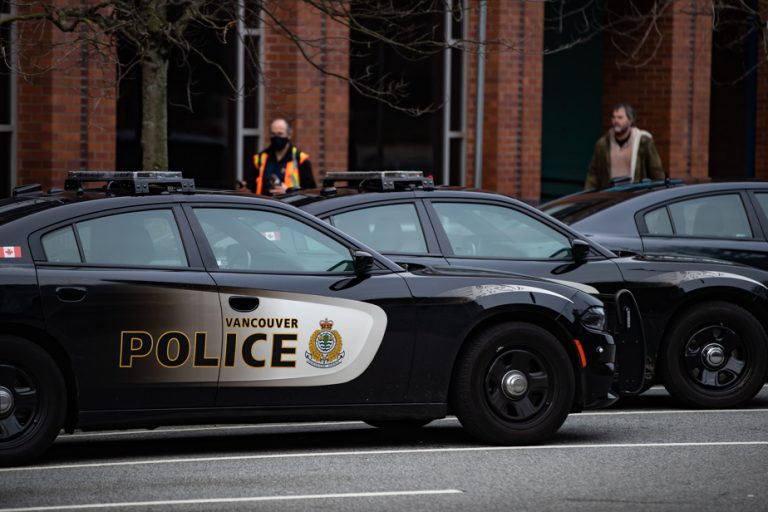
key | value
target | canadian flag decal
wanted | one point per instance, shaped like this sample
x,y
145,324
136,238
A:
x,y
11,252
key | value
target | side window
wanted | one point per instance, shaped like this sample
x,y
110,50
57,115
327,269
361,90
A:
x,y
269,242
145,238
762,200
657,222
711,217
60,246
390,229
491,231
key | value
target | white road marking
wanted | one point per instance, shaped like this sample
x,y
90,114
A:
x,y
667,411
379,452
249,499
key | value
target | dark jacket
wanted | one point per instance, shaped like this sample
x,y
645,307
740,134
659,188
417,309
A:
x,y
646,162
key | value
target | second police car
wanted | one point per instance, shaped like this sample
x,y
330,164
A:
x,y
141,302
696,325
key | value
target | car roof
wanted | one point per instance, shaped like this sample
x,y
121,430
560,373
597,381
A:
x,y
619,202
319,202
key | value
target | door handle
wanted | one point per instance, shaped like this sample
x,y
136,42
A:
x,y
71,293
244,304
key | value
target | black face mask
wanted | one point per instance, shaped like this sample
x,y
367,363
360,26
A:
x,y
278,143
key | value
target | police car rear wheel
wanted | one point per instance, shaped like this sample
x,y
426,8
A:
x,y
514,384
716,355
32,400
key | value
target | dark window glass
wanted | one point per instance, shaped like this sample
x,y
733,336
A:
x,y
711,217
489,231
454,165
250,148
267,242
457,89
253,13
251,103
5,77
390,229
658,222
147,238
5,164
5,6
382,137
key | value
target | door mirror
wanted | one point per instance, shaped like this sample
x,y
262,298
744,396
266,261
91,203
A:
x,y
580,250
362,262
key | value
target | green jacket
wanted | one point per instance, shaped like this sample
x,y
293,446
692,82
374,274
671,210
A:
x,y
646,162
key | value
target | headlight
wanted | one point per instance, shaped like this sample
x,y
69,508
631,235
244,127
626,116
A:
x,y
594,318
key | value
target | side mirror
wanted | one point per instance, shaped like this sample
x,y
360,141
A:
x,y
362,262
580,250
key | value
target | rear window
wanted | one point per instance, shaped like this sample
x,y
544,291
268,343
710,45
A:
x,y
570,212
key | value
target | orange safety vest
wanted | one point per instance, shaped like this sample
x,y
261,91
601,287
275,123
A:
x,y
291,176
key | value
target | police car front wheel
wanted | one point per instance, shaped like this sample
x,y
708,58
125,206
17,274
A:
x,y
514,384
32,400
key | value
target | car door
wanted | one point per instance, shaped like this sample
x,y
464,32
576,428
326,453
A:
x,y
722,226
499,236
126,294
300,326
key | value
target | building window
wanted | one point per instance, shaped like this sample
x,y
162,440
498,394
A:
x,y
7,106
251,97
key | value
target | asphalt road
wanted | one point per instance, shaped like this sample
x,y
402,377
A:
x,y
642,454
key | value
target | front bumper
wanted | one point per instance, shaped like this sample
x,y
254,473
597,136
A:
x,y
598,375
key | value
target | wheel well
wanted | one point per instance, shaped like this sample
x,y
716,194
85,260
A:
x,y
539,320
59,356
741,298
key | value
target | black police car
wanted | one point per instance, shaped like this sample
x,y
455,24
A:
x,y
142,302
703,324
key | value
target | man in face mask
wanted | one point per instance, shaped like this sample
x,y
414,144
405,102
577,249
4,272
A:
x,y
281,167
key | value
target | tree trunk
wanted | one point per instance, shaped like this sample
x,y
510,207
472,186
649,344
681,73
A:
x,y
154,118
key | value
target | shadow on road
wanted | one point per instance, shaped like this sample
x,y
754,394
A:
x,y
221,443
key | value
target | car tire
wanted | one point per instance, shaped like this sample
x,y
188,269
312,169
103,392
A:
x,y
32,400
539,390
715,356
398,425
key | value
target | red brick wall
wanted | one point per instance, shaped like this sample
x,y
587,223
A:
x,y
316,105
56,131
512,101
667,80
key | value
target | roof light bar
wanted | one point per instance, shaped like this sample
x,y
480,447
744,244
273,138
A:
x,y
380,180
136,182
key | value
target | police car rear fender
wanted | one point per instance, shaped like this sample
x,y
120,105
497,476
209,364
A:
x,y
295,339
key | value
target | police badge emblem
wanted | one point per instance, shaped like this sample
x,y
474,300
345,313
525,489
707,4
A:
x,y
325,346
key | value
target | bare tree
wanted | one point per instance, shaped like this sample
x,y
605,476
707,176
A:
x,y
156,29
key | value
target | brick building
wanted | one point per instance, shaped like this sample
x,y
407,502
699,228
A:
x,y
542,110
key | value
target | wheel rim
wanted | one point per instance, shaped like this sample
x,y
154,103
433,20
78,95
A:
x,y
19,403
715,357
518,385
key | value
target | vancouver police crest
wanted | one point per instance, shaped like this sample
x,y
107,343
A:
x,y
325,346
